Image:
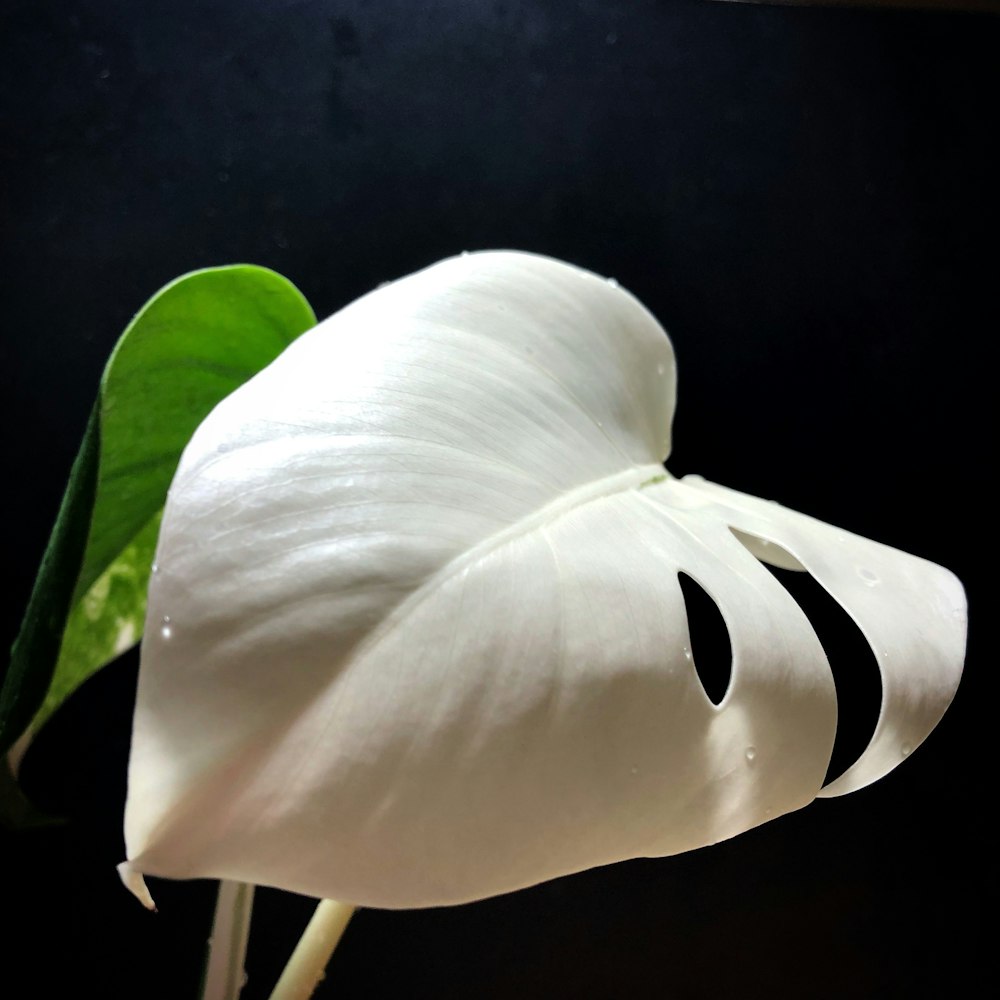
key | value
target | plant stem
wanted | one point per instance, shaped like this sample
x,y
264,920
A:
x,y
227,947
306,967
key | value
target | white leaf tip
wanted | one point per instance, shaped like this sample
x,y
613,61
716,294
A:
x,y
136,884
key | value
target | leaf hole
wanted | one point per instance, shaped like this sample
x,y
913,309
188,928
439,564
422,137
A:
x,y
711,651
855,670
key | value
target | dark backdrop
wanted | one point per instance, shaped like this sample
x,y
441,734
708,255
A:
x,y
806,198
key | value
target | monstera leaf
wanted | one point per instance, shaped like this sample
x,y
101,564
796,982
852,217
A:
x,y
190,345
417,635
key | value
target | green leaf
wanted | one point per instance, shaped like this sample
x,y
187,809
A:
x,y
105,621
193,343
36,648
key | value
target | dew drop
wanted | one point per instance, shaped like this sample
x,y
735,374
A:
x,y
465,253
687,653
155,568
868,576
751,754
906,749
613,282
166,631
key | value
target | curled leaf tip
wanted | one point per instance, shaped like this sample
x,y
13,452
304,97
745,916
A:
x,y
136,884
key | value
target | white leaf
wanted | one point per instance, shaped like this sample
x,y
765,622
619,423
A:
x,y
417,635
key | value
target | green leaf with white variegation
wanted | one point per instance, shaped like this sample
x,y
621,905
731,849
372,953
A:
x,y
105,622
195,341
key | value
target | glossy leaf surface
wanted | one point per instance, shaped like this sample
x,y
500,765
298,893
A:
x,y
195,341
418,637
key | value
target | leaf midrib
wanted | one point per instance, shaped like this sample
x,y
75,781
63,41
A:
x,y
620,482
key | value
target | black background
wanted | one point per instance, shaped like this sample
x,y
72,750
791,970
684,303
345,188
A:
x,y
808,201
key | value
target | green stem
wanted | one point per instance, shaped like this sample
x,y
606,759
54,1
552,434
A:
x,y
306,967
227,947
